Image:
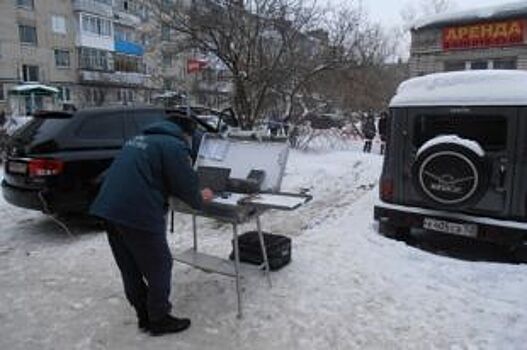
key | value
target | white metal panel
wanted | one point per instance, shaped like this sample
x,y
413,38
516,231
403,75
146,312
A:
x,y
243,156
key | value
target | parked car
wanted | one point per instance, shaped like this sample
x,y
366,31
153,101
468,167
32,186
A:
x,y
220,120
456,157
57,161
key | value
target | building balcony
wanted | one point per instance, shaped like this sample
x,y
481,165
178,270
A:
x,y
129,48
87,39
113,78
98,7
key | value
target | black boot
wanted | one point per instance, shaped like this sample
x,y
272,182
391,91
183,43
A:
x,y
169,324
142,319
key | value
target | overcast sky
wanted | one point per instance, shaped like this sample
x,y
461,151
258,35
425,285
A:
x,y
389,11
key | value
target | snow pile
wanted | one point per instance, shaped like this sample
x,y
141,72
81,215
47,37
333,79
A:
x,y
347,287
511,9
474,146
464,88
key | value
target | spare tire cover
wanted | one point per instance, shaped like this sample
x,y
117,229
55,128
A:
x,y
450,172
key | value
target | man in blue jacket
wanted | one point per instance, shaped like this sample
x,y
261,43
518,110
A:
x,y
133,201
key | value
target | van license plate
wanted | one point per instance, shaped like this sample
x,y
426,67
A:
x,y
467,230
17,167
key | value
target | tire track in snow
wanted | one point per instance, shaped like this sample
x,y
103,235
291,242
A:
x,y
350,180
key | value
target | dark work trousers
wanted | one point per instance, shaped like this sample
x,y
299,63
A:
x,y
145,263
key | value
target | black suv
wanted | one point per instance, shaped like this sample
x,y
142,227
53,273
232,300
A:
x,y
56,162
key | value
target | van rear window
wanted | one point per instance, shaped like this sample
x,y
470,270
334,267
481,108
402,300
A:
x,y
490,131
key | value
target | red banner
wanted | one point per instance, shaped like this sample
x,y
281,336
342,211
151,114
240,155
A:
x,y
195,65
506,33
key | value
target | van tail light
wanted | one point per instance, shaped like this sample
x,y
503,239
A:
x,y
45,167
386,190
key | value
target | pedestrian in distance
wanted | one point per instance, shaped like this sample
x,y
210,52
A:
x,y
381,127
368,132
133,202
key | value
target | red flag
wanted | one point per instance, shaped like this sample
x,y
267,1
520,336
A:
x,y
195,65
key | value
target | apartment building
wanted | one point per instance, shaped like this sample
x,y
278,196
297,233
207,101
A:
x,y
98,52
110,53
182,72
90,50
487,38
36,45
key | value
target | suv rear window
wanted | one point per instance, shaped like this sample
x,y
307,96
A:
x,y
490,131
41,128
146,118
102,127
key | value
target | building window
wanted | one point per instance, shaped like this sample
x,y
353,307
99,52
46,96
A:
x,y
123,34
124,63
30,4
64,93
2,94
62,58
94,96
167,60
166,5
454,66
506,63
165,32
28,34
125,96
58,24
29,73
480,64
93,59
96,25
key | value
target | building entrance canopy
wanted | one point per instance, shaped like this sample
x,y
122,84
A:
x,y
33,89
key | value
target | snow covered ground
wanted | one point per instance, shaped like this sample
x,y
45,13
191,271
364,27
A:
x,y
347,287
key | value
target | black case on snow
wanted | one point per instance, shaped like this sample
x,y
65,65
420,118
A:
x,y
278,249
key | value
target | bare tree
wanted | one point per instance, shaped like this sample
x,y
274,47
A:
x,y
275,50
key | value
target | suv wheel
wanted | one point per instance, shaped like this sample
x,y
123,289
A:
x,y
449,171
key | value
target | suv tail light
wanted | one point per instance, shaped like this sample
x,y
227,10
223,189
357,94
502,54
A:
x,y
45,167
386,190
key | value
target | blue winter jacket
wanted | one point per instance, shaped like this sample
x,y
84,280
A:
x,y
150,168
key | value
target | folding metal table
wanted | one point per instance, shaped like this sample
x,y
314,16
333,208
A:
x,y
241,156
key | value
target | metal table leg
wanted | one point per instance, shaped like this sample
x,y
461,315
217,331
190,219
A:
x,y
237,268
171,221
264,250
195,232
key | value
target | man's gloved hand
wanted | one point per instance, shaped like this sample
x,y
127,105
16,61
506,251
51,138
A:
x,y
207,195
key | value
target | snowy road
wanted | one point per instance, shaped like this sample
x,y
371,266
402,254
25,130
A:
x,y
347,288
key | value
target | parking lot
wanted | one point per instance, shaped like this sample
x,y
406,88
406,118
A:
x,y
347,287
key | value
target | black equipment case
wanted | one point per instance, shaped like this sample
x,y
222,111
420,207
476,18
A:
x,y
278,249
